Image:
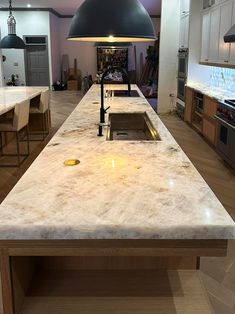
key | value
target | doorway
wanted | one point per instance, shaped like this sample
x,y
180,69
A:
x,y
36,61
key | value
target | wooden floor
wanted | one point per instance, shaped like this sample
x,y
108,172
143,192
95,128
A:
x,y
218,274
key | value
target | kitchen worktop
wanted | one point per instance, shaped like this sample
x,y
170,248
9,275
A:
x,y
213,92
120,190
10,96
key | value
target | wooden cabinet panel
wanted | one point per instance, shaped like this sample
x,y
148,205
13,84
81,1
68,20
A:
x,y
209,130
210,107
188,104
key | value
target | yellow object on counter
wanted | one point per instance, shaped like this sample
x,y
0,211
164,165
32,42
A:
x,y
71,162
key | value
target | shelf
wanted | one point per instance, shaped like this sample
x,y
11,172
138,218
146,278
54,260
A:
x,y
126,291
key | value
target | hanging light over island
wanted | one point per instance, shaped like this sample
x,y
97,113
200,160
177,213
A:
x,y
112,21
11,41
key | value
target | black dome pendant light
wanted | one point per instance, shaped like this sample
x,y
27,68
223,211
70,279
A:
x,y
11,41
112,21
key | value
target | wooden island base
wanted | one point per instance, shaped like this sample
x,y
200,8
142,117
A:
x,y
98,276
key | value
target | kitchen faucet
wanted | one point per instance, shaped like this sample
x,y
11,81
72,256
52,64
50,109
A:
x,y
103,110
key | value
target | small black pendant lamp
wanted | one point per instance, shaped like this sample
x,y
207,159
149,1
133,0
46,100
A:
x,y
11,41
112,21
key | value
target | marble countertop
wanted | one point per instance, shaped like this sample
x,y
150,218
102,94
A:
x,y
10,96
212,92
120,190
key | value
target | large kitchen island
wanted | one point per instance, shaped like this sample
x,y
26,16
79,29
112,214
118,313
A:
x,y
124,229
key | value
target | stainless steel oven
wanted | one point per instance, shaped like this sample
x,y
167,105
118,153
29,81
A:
x,y
226,132
183,63
181,88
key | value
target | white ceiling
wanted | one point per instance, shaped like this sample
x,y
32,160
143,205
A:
x,y
69,7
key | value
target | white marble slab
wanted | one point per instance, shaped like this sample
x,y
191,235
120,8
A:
x,y
217,93
10,96
120,190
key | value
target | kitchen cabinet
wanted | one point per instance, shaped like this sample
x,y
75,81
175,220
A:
x,y
226,12
184,31
184,6
205,36
209,122
208,3
216,21
188,104
214,34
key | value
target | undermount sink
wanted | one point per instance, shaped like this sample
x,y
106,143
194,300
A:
x,y
124,93
131,127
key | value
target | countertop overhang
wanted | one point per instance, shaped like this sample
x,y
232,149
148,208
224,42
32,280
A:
x,y
120,190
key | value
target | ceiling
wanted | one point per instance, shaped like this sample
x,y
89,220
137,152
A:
x,y
69,7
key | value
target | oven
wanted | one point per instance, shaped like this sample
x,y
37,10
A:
x,y
181,88
183,63
226,134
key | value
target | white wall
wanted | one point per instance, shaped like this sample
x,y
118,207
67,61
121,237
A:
x,y
141,50
28,23
85,53
169,44
55,48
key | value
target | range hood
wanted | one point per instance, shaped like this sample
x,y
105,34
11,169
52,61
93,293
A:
x,y
230,35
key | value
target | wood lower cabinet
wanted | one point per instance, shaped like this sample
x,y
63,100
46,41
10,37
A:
x,y
209,123
189,92
209,130
204,121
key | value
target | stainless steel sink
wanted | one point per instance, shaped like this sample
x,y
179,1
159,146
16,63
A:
x,y
124,93
131,127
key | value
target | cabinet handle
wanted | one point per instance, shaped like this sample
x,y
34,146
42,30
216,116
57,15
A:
x,y
206,59
226,61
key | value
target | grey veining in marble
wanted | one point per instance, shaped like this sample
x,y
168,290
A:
x,y
120,190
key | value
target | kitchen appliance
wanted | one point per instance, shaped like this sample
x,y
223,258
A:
x,y
198,98
226,130
181,80
230,35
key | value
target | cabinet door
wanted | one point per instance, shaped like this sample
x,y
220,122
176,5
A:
x,y
182,31
186,31
184,6
214,35
188,104
209,130
205,37
226,12
232,46
210,107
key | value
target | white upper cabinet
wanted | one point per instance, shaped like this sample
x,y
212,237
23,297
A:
x,y
214,35
184,31
226,14
184,6
208,3
216,21
184,23
206,19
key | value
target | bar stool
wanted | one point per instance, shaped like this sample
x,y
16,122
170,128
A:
x,y
42,108
15,125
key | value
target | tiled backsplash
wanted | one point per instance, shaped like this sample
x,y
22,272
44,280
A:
x,y
223,78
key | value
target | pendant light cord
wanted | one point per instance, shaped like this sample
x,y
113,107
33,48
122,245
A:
x,y
10,7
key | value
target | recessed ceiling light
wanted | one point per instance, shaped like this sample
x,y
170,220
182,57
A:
x,y
28,5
